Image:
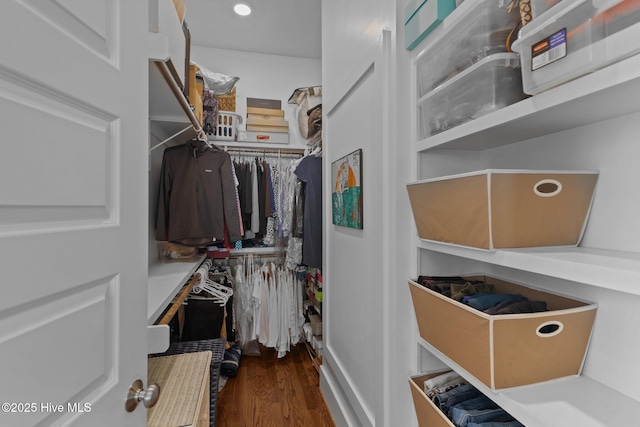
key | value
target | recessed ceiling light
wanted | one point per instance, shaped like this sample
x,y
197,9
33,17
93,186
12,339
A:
x,y
242,9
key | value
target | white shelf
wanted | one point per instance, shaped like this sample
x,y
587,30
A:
x,y
268,250
601,95
608,93
575,401
169,111
165,281
615,270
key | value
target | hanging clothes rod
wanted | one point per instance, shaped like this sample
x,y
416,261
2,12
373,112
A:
x,y
270,151
177,302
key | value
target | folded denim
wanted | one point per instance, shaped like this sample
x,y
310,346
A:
x,y
513,423
461,389
515,307
452,400
480,402
462,417
485,302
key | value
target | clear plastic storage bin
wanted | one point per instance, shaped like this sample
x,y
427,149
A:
x,y
482,30
492,83
577,37
538,7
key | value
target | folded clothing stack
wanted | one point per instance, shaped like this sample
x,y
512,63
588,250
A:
x,y
481,296
465,405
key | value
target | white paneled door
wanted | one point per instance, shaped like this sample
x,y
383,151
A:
x,y
73,211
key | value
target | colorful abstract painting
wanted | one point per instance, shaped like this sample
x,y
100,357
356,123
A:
x,y
346,174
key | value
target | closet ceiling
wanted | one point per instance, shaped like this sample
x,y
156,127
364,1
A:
x,y
275,27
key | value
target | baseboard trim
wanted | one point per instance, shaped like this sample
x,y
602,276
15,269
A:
x,y
343,401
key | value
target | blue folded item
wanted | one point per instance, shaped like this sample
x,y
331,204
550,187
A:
x,y
464,417
464,391
451,401
516,307
467,298
485,301
480,402
513,423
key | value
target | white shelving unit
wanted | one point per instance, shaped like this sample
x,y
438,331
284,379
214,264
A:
x,y
576,109
171,121
573,104
563,402
165,281
584,265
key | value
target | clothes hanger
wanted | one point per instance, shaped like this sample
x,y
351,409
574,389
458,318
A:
x,y
205,282
220,293
218,297
202,137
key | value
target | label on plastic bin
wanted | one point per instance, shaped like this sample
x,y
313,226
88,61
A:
x,y
549,50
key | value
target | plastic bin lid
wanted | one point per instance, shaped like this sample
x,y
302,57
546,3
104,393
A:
x,y
557,12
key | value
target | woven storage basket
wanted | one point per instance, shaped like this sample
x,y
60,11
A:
x,y
228,101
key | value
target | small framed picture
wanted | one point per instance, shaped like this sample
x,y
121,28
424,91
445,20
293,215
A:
x,y
346,178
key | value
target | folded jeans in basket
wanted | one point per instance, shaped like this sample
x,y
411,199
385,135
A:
x,y
463,417
513,423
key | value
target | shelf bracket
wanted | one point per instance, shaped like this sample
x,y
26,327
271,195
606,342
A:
x,y
170,138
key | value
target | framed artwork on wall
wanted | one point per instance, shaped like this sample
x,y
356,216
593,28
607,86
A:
x,y
346,178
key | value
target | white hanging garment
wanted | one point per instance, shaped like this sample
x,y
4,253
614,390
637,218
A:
x,y
243,309
297,316
255,306
265,300
284,310
273,309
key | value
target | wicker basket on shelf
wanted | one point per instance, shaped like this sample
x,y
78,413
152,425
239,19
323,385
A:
x,y
228,101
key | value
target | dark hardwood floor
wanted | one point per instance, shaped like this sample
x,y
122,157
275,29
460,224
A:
x,y
274,392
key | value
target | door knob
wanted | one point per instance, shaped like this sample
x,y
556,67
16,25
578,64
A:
x,y
136,394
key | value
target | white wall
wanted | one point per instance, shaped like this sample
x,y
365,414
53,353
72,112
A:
x,y
351,31
368,340
263,76
350,39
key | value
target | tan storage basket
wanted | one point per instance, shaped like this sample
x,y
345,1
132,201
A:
x,y
507,350
493,209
